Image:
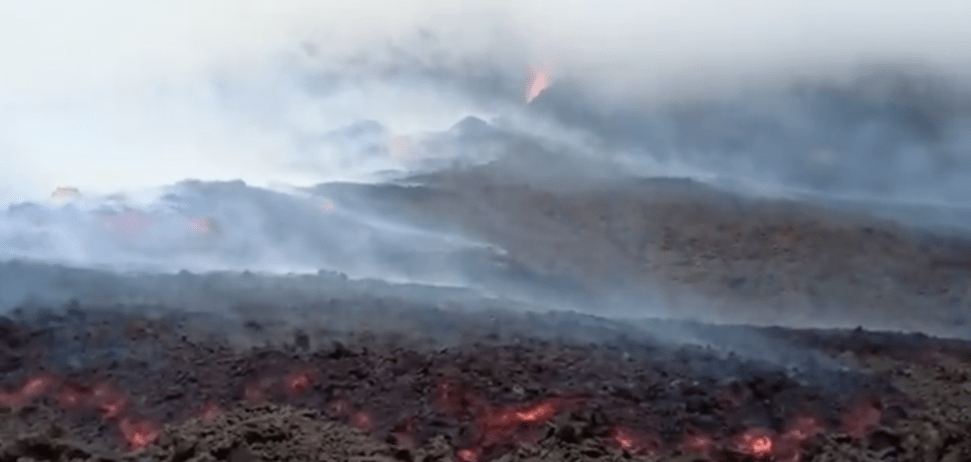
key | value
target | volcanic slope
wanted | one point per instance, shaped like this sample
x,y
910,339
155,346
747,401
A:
x,y
681,248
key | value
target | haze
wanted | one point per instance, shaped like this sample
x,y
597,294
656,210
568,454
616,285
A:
x,y
58,47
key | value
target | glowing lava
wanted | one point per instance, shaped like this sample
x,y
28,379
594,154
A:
x,y
362,421
634,442
495,427
139,433
539,80
468,454
298,382
110,402
754,442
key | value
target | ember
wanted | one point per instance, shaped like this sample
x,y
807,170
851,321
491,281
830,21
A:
x,y
634,442
755,442
537,413
139,433
298,382
362,421
468,455
72,396
110,402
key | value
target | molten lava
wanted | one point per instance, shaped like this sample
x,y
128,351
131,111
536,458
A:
x,y
539,80
105,399
754,442
362,421
110,402
495,427
139,433
298,382
468,454
633,442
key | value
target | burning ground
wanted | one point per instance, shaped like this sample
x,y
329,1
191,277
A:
x,y
96,383
542,343
253,367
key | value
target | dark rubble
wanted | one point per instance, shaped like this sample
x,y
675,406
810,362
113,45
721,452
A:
x,y
165,388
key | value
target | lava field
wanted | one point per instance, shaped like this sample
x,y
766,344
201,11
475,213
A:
x,y
104,366
88,383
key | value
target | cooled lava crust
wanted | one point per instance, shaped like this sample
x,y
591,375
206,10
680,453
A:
x,y
104,384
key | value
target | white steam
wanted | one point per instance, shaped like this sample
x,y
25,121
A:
x,y
109,94
114,96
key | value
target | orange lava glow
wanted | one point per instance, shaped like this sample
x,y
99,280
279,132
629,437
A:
x,y
510,424
298,382
72,396
539,80
468,455
12,400
803,428
110,403
538,413
37,386
139,433
362,421
788,447
755,442
633,442
494,426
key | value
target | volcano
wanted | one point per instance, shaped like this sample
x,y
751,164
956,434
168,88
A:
x,y
379,245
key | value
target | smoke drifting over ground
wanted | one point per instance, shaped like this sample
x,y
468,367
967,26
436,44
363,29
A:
x,y
218,136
